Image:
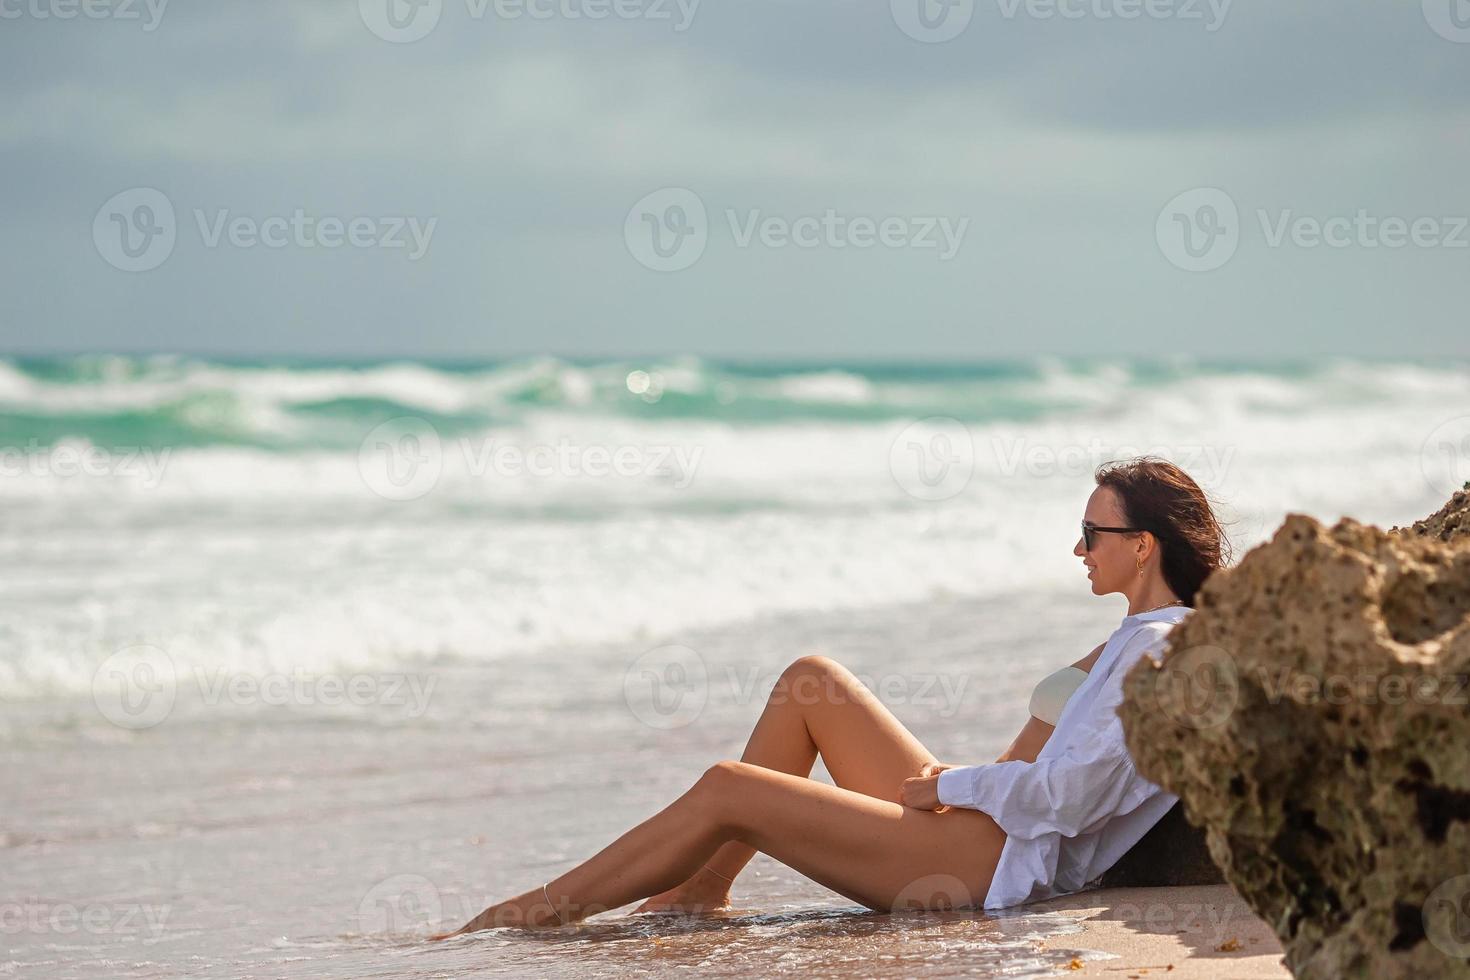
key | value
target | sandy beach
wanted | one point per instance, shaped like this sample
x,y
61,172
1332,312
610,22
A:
x,y
249,840
1197,932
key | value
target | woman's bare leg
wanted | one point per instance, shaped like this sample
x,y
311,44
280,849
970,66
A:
x,y
878,853
817,706
662,850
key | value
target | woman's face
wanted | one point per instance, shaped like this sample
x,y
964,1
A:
x,y
1113,561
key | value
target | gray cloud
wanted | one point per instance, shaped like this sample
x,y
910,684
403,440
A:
x,y
1059,140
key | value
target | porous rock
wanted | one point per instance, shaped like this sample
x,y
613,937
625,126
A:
x,y
1311,714
1449,522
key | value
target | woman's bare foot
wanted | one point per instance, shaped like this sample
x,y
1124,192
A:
x,y
704,893
527,911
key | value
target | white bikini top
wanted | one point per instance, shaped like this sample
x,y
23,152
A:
x,y
1051,695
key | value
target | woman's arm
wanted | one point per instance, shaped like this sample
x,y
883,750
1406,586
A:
x,y
1028,742
922,791
1035,732
1078,788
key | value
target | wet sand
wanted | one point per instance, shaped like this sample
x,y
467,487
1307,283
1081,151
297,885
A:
x,y
1201,931
248,840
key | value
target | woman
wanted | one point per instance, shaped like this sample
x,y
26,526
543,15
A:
x,y
900,829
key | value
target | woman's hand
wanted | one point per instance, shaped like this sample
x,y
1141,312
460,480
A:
x,y
921,792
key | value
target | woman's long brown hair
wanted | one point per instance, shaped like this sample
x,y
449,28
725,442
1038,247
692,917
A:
x,y
1159,497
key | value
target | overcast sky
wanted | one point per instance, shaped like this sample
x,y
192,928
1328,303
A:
x,y
340,185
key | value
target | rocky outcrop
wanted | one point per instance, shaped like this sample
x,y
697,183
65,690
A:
x,y
1313,716
1449,522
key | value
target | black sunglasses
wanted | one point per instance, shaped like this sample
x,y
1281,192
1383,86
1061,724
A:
x,y
1089,529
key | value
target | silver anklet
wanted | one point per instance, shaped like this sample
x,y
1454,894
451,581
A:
x,y
714,872
553,907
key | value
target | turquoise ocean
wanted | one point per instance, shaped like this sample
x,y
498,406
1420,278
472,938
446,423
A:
x,y
228,512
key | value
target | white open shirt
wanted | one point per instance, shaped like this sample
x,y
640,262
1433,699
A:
x,y
1070,815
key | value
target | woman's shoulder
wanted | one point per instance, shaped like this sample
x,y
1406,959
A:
x,y
1146,638
1086,662
1135,630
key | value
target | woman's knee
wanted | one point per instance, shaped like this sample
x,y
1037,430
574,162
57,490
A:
x,y
718,792
813,679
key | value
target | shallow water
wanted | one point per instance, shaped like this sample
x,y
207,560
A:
x,y
282,842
